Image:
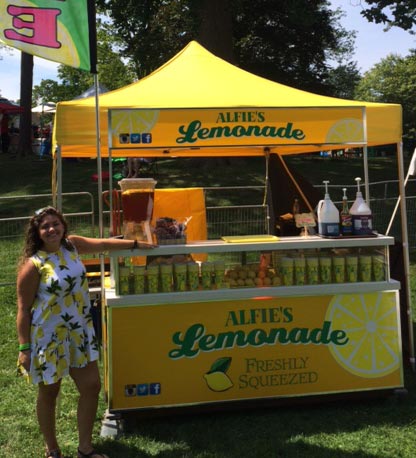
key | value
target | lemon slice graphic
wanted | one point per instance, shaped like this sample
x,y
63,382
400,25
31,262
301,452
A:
x,y
137,121
370,321
346,131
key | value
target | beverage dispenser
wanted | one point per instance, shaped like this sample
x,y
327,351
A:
x,y
137,197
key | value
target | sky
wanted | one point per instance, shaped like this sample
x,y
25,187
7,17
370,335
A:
x,y
372,45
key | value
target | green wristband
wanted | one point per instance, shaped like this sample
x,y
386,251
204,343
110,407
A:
x,y
24,347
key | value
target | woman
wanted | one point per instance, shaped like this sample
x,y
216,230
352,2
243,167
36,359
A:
x,y
54,324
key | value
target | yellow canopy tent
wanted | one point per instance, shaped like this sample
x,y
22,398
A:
x,y
196,85
197,104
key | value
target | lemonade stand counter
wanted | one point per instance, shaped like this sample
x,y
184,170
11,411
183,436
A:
x,y
257,319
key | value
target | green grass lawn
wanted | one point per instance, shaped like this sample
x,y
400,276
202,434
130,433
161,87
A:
x,y
365,428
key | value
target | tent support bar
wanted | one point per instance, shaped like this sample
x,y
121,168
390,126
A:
x,y
59,178
305,199
405,243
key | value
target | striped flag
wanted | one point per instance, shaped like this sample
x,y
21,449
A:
x,y
63,31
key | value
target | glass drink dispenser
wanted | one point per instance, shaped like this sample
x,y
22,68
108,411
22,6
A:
x,y
137,196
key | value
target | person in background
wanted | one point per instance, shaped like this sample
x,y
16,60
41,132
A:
x,y
54,323
4,130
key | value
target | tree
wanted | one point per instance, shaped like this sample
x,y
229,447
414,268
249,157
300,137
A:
x,y
401,13
393,80
26,82
113,73
290,41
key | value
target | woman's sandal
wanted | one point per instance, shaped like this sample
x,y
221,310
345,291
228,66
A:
x,y
91,454
53,454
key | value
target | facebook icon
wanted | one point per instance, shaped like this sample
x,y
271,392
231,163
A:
x,y
155,388
146,138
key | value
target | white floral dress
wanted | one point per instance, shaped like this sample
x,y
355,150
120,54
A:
x,y
62,331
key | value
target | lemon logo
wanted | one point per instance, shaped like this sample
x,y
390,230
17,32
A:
x,y
370,321
216,378
346,131
140,121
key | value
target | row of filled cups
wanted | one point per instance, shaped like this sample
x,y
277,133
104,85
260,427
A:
x,y
165,278
331,269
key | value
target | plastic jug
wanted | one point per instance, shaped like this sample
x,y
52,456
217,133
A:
x,y
362,218
328,215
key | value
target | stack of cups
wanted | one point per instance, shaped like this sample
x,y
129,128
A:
x,y
338,263
325,269
312,270
153,279
124,280
364,267
299,264
138,276
379,272
351,268
219,272
206,274
166,278
193,276
286,269
179,272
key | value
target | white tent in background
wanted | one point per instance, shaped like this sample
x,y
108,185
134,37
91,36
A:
x,y
45,108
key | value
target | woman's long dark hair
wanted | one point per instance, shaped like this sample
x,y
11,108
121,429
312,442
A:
x,y
33,242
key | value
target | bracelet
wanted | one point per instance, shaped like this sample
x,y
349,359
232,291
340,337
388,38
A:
x,y
24,347
135,245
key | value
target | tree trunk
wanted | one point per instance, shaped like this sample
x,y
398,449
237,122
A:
x,y
216,29
26,83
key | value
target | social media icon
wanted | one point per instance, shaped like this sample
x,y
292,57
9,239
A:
x,y
142,389
130,390
135,138
146,138
124,138
155,388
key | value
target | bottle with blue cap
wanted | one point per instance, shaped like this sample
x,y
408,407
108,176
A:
x,y
328,215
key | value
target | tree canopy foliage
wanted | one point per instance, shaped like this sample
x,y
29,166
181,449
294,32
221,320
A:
x,y
400,13
113,72
393,80
290,41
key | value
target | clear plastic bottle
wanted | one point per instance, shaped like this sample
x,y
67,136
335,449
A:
x,y
346,218
362,218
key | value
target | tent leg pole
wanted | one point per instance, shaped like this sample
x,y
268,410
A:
x,y
405,243
59,179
